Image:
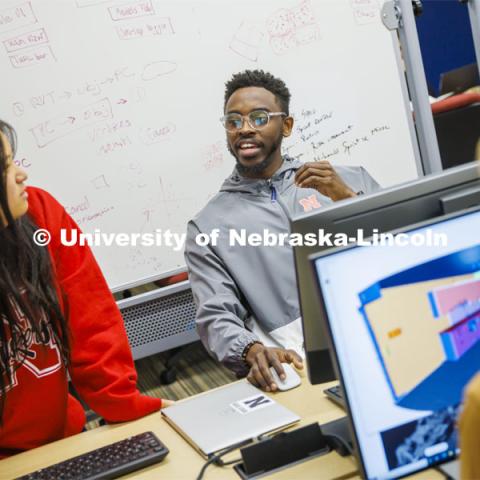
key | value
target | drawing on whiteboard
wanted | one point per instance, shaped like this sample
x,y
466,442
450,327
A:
x,y
100,182
292,27
25,40
115,145
22,163
89,87
152,135
18,109
131,10
147,213
133,143
82,206
213,156
365,11
137,257
139,94
16,17
106,129
172,200
157,69
51,130
80,220
38,55
161,26
247,40
324,142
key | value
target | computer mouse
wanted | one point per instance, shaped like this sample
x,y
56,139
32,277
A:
x,y
292,379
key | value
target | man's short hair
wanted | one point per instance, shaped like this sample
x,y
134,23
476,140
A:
x,y
259,78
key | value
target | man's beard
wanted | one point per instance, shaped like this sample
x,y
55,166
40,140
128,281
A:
x,y
257,169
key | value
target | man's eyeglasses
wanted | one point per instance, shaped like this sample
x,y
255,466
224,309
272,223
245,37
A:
x,y
256,119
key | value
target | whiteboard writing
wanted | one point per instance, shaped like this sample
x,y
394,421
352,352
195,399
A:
x,y
16,17
131,10
55,128
29,39
117,103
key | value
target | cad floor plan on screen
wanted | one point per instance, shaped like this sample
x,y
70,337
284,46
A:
x,y
425,322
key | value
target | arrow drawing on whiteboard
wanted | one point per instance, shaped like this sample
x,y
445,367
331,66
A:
x,y
157,69
70,120
122,101
147,214
66,95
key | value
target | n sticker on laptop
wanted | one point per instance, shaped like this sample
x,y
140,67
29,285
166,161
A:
x,y
252,404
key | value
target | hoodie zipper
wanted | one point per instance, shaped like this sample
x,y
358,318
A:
x,y
273,191
274,198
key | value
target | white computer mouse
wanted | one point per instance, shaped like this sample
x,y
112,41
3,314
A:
x,y
292,379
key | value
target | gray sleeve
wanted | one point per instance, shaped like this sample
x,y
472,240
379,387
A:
x,y
220,315
370,184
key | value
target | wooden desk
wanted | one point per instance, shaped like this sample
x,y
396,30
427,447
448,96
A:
x,y
183,462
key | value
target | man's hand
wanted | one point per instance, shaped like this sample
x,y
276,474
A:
x,y
260,358
322,177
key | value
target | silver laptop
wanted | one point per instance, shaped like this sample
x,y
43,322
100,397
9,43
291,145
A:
x,y
227,416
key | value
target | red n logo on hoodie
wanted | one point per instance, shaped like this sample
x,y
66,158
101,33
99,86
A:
x,y
309,203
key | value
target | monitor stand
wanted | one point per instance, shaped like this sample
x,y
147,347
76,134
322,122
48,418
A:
x,y
292,447
338,436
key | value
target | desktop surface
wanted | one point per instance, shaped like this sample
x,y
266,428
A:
x,y
406,335
183,462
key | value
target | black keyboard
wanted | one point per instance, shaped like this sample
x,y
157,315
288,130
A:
x,y
108,462
336,395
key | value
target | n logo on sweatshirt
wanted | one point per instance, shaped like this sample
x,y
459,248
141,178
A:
x,y
309,203
40,356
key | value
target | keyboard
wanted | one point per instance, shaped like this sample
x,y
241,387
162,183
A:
x,y
108,462
335,395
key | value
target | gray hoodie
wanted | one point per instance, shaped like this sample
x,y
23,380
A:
x,y
236,286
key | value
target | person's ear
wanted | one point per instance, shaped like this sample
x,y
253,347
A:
x,y
287,126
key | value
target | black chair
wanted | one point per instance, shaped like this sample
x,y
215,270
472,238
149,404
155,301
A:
x,y
457,123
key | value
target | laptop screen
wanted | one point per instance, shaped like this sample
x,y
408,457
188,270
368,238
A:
x,y
404,319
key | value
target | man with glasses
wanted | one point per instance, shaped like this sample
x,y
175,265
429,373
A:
x,y
248,314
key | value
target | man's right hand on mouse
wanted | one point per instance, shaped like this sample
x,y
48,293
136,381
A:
x,y
260,358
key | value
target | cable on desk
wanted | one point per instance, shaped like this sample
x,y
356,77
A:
x,y
217,458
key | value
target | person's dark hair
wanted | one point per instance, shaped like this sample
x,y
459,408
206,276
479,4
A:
x,y
259,78
27,288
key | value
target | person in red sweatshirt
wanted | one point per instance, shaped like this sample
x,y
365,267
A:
x,y
58,320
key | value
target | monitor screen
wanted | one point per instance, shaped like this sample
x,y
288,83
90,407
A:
x,y
404,323
390,209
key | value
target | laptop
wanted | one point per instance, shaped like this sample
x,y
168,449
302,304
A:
x,y
227,416
460,79
404,327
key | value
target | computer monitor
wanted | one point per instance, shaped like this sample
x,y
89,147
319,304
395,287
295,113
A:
x,y
404,323
389,209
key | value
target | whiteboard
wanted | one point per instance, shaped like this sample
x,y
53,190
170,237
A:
x,y
117,104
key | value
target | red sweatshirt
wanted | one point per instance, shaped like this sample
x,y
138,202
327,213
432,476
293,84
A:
x,y
38,408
